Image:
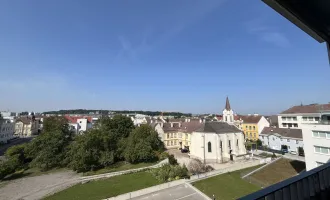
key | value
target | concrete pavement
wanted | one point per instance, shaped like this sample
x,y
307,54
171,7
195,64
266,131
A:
x,y
180,192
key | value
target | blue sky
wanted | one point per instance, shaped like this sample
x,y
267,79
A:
x,y
172,55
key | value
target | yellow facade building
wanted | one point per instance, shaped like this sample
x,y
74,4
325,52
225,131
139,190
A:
x,y
253,125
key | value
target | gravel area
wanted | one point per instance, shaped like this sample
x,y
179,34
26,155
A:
x,y
36,187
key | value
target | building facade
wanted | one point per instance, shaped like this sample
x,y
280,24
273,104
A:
x,y
26,127
178,134
253,125
276,138
317,142
79,124
295,116
7,129
217,142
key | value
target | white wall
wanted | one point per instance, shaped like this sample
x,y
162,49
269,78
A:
x,y
299,121
310,141
276,141
6,132
199,146
262,124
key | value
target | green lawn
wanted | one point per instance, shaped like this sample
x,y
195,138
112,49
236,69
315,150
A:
x,y
119,166
227,186
107,188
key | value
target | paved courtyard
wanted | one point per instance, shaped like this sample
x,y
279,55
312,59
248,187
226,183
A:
x,y
180,192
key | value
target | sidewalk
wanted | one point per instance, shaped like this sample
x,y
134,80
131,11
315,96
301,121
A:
x,y
287,155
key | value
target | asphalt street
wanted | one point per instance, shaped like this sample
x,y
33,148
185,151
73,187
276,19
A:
x,y
180,192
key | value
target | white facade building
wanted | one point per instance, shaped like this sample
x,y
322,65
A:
x,y
296,116
274,138
217,142
7,130
317,142
79,124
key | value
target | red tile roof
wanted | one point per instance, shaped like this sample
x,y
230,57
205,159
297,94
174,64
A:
x,y
74,119
313,108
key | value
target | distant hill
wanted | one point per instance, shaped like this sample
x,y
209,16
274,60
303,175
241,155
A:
x,y
107,112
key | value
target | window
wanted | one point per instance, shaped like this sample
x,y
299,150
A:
x,y
237,143
324,150
168,135
321,134
284,125
246,127
283,118
254,134
310,118
288,140
297,142
289,118
294,118
171,143
290,125
168,143
304,118
229,144
295,125
175,142
220,144
317,119
250,134
249,127
209,147
254,128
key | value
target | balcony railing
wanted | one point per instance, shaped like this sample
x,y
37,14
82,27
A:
x,y
313,184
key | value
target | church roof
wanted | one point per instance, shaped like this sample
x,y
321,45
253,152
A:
x,y
227,104
218,127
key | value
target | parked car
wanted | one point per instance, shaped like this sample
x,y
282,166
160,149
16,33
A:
x,y
184,151
293,152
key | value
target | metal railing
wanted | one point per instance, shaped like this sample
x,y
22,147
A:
x,y
313,184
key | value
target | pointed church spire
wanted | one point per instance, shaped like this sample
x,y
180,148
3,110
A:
x,y
227,104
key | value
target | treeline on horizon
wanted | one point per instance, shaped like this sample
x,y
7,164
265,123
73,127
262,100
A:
x,y
107,112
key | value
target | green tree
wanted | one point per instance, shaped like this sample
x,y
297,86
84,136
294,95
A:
x,y
49,149
142,145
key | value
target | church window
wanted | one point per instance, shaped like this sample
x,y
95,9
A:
x,y
229,144
226,119
237,142
209,147
220,144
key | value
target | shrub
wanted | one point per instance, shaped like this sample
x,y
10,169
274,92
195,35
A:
x,y
172,160
196,167
163,155
170,172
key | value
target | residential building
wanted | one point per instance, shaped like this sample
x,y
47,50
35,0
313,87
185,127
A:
x,y
317,141
217,142
295,116
178,134
253,125
7,130
79,124
26,126
8,115
276,138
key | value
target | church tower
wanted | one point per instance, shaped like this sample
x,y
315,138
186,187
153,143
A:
x,y
228,113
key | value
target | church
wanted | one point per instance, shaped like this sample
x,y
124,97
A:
x,y
218,142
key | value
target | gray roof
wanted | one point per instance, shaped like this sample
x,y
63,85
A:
x,y
218,127
284,132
